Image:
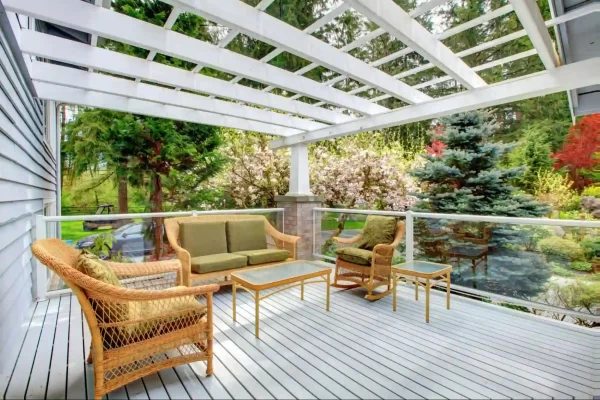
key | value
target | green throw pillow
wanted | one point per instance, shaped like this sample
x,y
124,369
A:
x,y
246,235
377,230
89,264
203,238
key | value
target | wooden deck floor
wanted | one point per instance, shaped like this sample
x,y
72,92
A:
x,y
358,350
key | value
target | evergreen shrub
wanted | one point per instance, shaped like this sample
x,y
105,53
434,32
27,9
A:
x,y
563,248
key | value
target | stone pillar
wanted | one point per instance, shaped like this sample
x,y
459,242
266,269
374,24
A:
x,y
299,221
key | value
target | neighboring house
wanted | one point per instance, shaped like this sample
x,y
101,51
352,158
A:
x,y
28,178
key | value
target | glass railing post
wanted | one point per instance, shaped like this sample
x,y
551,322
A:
x,y
410,241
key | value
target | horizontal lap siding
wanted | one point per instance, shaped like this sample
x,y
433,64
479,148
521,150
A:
x,y
27,178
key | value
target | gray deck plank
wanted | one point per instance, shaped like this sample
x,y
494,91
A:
x,y
354,380
76,369
274,388
12,357
334,387
478,363
472,351
293,379
58,367
38,379
376,370
17,387
211,383
388,355
154,387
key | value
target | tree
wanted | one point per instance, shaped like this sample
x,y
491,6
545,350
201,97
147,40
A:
x,y
465,179
532,153
579,150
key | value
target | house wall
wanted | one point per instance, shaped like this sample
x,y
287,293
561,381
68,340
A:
x,y
27,182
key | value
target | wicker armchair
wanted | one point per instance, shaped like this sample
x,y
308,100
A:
x,y
370,277
280,241
146,325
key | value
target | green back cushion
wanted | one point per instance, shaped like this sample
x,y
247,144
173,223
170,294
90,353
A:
x,y
202,238
89,264
246,235
377,230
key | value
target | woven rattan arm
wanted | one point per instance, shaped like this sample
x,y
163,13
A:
x,y
119,294
346,240
281,239
146,268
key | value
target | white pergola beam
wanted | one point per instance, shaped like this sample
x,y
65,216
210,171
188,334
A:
x,y
268,29
402,26
89,98
70,77
531,18
567,77
76,14
67,51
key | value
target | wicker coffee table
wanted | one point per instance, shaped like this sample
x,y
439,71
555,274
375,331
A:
x,y
431,273
283,276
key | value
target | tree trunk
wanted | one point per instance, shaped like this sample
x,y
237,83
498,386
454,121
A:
x,y
123,204
156,200
339,229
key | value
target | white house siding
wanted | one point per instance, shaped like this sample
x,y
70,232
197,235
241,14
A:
x,y
27,184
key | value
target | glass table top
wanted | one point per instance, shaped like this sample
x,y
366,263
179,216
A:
x,y
281,272
424,267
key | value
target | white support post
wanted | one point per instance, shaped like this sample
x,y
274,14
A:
x,y
41,273
410,238
299,173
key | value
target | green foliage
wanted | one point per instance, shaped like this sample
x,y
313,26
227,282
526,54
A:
x,y
563,248
583,266
591,191
591,248
561,271
102,246
533,153
465,178
533,234
554,189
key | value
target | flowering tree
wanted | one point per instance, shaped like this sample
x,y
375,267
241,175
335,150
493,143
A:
x,y
346,175
578,152
436,148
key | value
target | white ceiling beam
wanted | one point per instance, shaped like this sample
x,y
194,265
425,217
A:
x,y
531,18
277,33
567,77
64,76
426,7
67,51
89,98
88,18
402,26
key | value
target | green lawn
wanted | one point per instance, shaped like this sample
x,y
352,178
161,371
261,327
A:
x,y
330,224
73,230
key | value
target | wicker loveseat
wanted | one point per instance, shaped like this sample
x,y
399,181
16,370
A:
x,y
369,262
212,246
141,324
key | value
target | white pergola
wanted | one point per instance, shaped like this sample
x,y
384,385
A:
x,y
126,83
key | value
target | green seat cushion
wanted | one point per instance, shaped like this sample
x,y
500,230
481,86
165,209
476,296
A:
x,y
246,235
218,262
377,230
263,256
202,238
355,256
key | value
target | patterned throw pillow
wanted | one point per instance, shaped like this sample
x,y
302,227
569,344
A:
x,y
89,264
377,230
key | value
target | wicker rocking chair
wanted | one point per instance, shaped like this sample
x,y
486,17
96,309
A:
x,y
147,324
367,267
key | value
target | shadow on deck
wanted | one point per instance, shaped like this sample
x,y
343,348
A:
x,y
358,350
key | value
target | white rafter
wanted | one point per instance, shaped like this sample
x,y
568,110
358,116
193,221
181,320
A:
x,y
85,17
65,76
402,26
90,98
57,49
531,18
568,77
266,28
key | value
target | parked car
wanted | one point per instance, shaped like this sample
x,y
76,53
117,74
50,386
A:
x,y
131,240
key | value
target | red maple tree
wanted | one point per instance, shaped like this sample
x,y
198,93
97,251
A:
x,y
579,150
437,146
